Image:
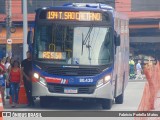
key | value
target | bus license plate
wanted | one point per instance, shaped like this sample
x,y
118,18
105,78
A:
x,y
70,90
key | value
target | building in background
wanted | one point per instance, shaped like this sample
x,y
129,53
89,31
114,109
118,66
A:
x,y
144,25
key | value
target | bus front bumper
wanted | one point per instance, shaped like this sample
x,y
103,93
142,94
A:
x,y
105,91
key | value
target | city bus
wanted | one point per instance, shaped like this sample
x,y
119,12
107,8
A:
x,y
80,51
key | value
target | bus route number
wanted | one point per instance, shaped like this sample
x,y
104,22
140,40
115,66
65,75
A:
x,y
77,16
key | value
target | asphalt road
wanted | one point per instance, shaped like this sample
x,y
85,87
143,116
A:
x,y
132,97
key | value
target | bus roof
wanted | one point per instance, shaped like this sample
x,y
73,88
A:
x,y
90,5
82,6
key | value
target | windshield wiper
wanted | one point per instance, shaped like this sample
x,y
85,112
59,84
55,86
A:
x,y
89,50
84,41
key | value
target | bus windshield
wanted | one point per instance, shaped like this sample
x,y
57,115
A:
x,y
73,45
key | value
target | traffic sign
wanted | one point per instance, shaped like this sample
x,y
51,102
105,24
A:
x,y
9,41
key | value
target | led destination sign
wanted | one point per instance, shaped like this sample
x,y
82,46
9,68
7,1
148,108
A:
x,y
74,16
52,55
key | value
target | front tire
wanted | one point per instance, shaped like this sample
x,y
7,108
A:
x,y
119,99
106,103
44,101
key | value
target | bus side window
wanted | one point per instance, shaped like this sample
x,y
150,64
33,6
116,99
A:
x,y
116,40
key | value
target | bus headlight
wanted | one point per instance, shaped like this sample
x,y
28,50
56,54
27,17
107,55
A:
x,y
42,80
36,75
107,78
39,78
103,81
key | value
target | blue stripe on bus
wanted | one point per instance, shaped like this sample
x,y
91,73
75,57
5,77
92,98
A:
x,y
75,80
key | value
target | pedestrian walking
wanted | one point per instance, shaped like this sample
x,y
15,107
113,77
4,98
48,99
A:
x,y
139,70
2,79
15,77
26,67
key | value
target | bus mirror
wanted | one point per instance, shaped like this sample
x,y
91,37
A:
x,y
29,37
117,40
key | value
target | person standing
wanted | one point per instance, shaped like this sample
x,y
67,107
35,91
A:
x,y
15,77
139,70
2,80
7,63
3,61
7,67
26,67
131,68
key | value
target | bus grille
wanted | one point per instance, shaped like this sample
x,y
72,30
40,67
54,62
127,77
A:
x,y
57,88
72,71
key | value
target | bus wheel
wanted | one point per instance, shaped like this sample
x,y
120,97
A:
x,y
44,101
119,99
106,103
